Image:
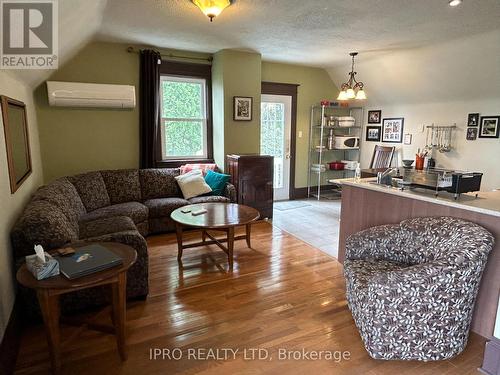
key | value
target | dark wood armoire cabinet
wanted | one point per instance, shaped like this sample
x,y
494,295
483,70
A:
x,y
252,175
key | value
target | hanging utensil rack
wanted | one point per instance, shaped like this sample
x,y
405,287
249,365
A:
x,y
439,137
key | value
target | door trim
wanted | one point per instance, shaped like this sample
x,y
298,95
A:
x,y
289,89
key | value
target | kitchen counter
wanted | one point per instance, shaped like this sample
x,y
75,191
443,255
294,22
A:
x,y
487,203
365,205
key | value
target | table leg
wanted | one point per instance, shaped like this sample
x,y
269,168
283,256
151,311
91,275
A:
x,y
230,245
178,229
249,230
119,312
203,235
49,305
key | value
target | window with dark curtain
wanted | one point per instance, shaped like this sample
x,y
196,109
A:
x,y
185,120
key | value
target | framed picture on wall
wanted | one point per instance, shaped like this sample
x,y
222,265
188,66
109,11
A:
x,y
374,117
242,108
373,133
473,119
471,134
392,130
489,127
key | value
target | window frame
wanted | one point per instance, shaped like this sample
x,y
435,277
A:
x,y
195,72
202,119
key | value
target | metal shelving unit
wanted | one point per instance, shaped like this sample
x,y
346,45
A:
x,y
317,179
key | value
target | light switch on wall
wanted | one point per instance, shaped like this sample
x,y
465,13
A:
x,y
300,133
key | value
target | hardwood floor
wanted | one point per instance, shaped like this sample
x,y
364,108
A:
x,y
282,294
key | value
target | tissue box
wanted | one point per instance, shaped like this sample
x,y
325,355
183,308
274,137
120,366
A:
x,y
42,270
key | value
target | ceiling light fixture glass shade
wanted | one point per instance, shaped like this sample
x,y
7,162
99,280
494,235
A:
x,y
212,8
342,96
361,95
454,3
352,89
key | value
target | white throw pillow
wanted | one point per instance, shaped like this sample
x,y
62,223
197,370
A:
x,y
193,184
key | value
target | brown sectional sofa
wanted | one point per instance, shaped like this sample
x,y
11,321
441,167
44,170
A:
x,y
114,205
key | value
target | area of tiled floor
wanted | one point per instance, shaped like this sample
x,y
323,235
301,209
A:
x,y
315,222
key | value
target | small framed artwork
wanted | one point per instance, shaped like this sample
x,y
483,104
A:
x,y
471,134
473,119
373,133
392,130
489,127
407,139
374,117
242,108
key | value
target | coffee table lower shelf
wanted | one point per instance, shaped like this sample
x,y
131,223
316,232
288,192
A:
x,y
230,238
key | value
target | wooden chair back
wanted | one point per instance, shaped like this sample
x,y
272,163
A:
x,y
382,156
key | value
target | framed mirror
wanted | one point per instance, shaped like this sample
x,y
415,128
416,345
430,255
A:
x,y
15,126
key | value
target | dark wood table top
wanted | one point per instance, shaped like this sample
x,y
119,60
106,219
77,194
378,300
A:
x,y
127,253
219,215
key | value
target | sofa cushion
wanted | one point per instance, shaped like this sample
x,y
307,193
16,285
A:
x,y
208,199
358,274
217,181
92,190
159,183
41,223
134,210
63,194
105,225
163,207
203,167
192,184
123,185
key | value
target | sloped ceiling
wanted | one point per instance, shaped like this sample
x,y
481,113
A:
x,y
315,32
462,69
79,21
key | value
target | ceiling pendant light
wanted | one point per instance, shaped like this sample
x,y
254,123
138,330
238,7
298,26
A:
x,y
212,8
454,3
352,89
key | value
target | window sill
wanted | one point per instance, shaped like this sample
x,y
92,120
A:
x,y
175,163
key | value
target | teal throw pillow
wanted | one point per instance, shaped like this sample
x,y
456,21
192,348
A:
x,y
217,181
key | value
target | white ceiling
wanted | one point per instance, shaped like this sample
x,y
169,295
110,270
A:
x,y
314,32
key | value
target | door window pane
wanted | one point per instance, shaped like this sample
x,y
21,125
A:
x,y
272,137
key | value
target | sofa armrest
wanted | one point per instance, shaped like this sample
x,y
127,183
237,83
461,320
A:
x,y
382,242
230,192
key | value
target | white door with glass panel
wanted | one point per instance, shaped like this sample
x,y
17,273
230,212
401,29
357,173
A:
x,y
275,133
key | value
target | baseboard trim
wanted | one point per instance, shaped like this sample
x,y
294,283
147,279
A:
x,y
301,193
9,347
491,361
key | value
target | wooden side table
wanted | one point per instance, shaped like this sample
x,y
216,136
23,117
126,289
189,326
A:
x,y
49,290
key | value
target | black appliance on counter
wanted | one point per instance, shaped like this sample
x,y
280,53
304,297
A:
x,y
454,182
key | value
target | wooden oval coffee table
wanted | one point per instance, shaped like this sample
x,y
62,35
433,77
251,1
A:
x,y
49,290
219,217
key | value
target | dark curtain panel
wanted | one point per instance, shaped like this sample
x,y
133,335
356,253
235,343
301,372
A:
x,y
149,107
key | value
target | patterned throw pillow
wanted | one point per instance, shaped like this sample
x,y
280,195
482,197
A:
x,y
193,184
217,182
186,168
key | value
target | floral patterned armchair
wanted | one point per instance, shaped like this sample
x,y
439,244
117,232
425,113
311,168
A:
x,y
412,286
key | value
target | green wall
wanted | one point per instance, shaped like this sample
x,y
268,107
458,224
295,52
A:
x,y
75,140
315,85
241,78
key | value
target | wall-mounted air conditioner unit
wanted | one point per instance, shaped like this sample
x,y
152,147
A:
x,y
76,94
